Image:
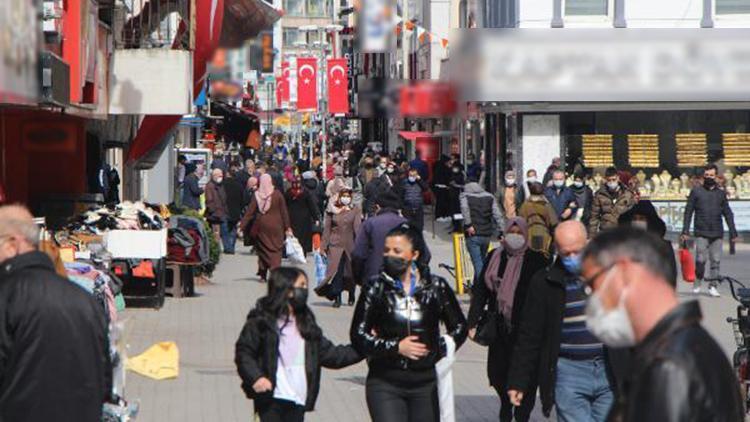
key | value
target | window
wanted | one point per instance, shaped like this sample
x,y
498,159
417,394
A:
x,y
318,8
291,35
294,7
732,7
586,7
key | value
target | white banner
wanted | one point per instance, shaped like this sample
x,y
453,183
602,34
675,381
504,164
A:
x,y
673,213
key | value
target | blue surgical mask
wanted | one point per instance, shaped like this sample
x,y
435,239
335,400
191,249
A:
x,y
572,264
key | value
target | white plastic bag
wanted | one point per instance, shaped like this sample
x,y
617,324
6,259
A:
x,y
294,250
444,370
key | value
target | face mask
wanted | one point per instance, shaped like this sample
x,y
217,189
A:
x,y
382,166
612,327
510,182
395,266
299,298
390,170
558,183
639,224
412,179
456,169
613,186
578,184
572,264
531,179
218,180
345,200
709,182
515,241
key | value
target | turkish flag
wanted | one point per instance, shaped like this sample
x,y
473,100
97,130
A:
x,y
307,83
282,85
338,86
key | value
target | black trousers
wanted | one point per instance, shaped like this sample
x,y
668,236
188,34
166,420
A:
x,y
509,413
281,411
388,401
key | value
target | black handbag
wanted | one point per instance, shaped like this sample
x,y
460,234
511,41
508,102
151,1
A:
x,y
487,328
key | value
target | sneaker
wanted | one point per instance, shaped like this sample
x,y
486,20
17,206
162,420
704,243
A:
x,y
696,290
713,292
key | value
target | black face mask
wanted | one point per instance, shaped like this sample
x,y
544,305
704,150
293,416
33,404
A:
x,y
395,266
709,183
299,298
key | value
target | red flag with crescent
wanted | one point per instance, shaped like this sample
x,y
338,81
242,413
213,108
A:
x,y
307,83
338,86
282,85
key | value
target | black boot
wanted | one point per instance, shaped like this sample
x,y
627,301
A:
x,y
337,301
351,298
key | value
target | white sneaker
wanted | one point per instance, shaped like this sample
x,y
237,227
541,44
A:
x,y
713,292
696,290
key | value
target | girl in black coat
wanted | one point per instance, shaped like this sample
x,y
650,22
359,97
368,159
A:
x,y
507,305
281,349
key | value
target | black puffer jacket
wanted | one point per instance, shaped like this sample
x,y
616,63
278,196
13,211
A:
x,y
673,381
708,205
385,315
257,352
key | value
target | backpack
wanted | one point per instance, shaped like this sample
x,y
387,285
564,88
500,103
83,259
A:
x,y
538,232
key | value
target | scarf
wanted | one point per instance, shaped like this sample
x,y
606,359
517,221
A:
x,y
264,193
505,286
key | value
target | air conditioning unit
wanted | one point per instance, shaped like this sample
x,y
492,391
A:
x,y
55,80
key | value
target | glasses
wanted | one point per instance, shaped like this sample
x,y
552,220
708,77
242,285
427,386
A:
x,y
587,284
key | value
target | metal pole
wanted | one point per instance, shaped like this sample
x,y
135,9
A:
x,y
323,104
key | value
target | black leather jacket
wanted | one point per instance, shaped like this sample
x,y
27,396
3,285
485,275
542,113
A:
x,y
681,374
385,315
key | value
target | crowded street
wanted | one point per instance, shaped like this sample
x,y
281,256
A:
x,y
374,210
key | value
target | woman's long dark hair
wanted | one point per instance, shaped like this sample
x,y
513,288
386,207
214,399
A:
x,y
275,305
418,244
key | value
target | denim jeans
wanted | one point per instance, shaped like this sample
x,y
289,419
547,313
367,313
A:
x,y
228,233
477,247
582,391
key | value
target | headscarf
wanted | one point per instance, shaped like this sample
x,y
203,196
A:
x,y
505,286
296,190
264,192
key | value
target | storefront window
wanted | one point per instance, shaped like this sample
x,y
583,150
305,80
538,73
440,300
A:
x,y
294,7
318,8
587,7
732,7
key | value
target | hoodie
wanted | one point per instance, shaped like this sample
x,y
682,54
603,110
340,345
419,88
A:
x,y
480,210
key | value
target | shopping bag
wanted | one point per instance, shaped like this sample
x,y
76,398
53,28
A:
x,y
321,266
444,371
687,264
294,250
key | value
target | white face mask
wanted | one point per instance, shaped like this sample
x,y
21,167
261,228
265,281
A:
x,y
613,186
382,166
612,327
640,224
510,182
558,183
218,180
390,170
578,184
345,200
515,241
412,179
531,179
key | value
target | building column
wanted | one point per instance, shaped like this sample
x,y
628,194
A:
x,y
708,14
557,20
620,14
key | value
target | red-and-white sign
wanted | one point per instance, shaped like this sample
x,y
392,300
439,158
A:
x,y
338,86
307,83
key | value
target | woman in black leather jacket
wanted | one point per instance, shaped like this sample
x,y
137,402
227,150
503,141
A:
x,y
396,325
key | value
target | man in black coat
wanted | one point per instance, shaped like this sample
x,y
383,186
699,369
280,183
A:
x,y
679,373
54,362
709,203
573,369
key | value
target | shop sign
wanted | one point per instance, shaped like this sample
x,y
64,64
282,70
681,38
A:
x,y
603,64
673,212
19,30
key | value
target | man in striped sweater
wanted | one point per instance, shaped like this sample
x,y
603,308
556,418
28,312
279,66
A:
x,y
554,349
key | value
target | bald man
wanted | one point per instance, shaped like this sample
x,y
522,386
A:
x,y
54,362
555,350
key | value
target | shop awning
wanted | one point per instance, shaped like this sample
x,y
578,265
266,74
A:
x,y
414,135
245,19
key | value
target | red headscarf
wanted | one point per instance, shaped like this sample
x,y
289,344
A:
x,y
296,190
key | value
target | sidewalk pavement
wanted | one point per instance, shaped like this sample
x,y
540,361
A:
x,y
206,327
